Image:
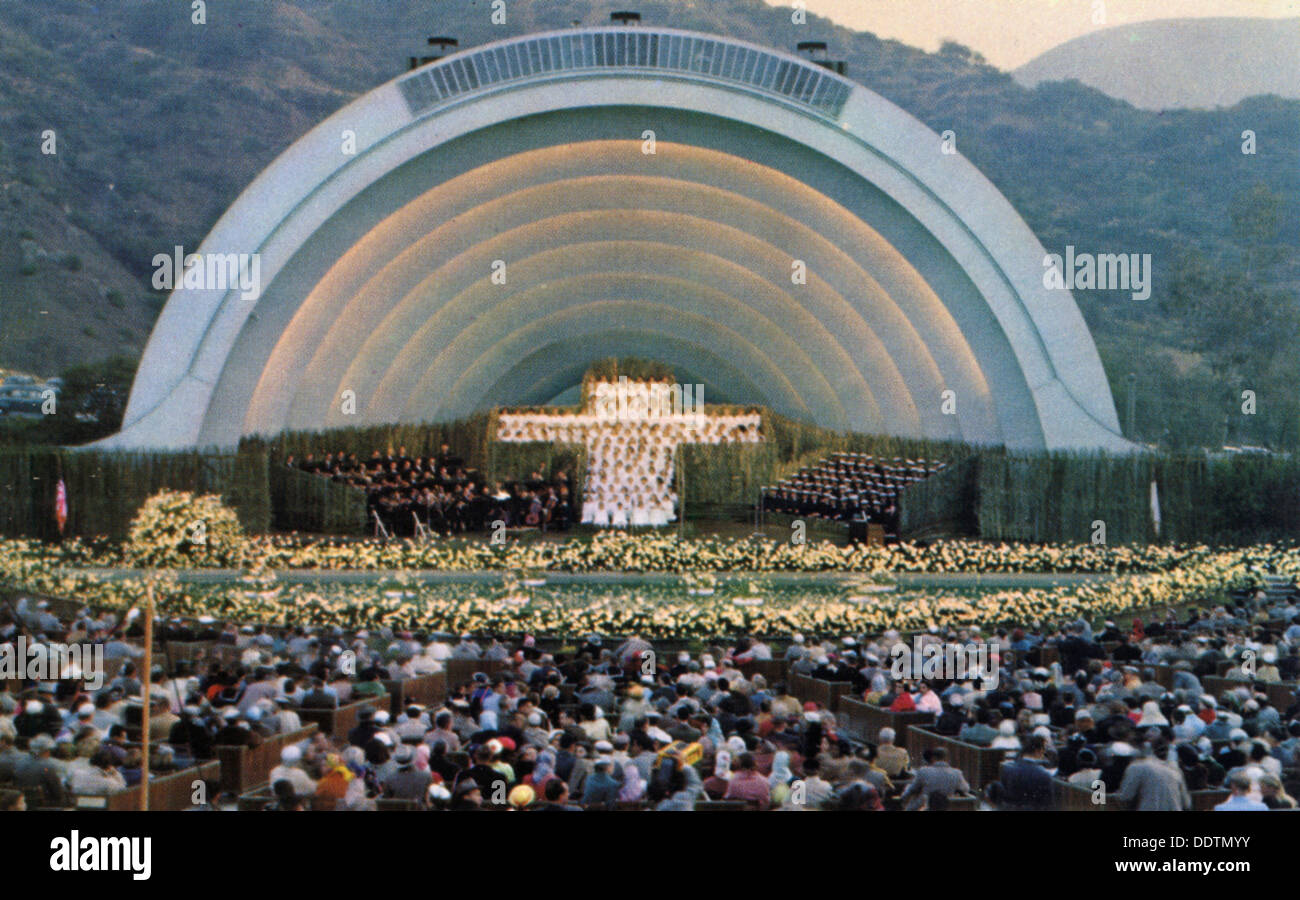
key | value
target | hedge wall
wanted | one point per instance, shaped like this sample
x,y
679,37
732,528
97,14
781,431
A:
x,y
106,489
1053,497
943,504
301,501
467,438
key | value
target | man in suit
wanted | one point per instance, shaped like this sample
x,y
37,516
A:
x,y
319,697
1152,783
936,777
406,782
1025,782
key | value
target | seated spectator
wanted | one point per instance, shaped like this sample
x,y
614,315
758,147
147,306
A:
x,y
936,775
1240,801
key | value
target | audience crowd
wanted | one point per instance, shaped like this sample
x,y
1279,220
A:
x,y
635,724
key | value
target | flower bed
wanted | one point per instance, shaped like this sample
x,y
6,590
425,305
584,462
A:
x,y
1150,578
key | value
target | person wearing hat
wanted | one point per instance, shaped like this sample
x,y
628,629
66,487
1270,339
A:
x,y
413,724
38,771
236,732
406,782
521,796
291,771
601,787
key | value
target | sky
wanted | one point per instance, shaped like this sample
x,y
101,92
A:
x,y
1012,32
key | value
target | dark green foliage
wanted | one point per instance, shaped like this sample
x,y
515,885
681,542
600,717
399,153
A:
x,y
1057,497
106,489
467,438
304,502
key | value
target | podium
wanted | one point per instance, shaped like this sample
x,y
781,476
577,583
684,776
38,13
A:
x,y
870,533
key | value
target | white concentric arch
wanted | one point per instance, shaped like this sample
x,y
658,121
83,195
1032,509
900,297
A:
x,y
175,401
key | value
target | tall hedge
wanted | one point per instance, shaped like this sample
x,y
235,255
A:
x,y
1052,497
105,489
467,438
943,504
309,503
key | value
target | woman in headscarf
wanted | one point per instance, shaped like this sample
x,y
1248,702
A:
x,y
634,785
714,735
1152,717
422,753
543,771
779,780
716,784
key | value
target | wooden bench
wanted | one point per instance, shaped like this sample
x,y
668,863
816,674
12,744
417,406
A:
x,y
1217,686
865,720
187,651
1208,799
981,765
1078,798
1281,693
721,806
258,800
338,722
773,670
462,670
427,690
825,694
963,803
173,792
246,768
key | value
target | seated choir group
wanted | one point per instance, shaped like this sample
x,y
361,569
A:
x,y
849,486
442,494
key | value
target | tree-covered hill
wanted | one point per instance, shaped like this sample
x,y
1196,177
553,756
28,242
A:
x,y
160,123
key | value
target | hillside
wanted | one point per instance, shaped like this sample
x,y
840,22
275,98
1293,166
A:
x,y
161,123
1163,64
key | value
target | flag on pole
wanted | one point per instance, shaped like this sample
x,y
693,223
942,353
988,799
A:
x,y
1155,508
61,505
